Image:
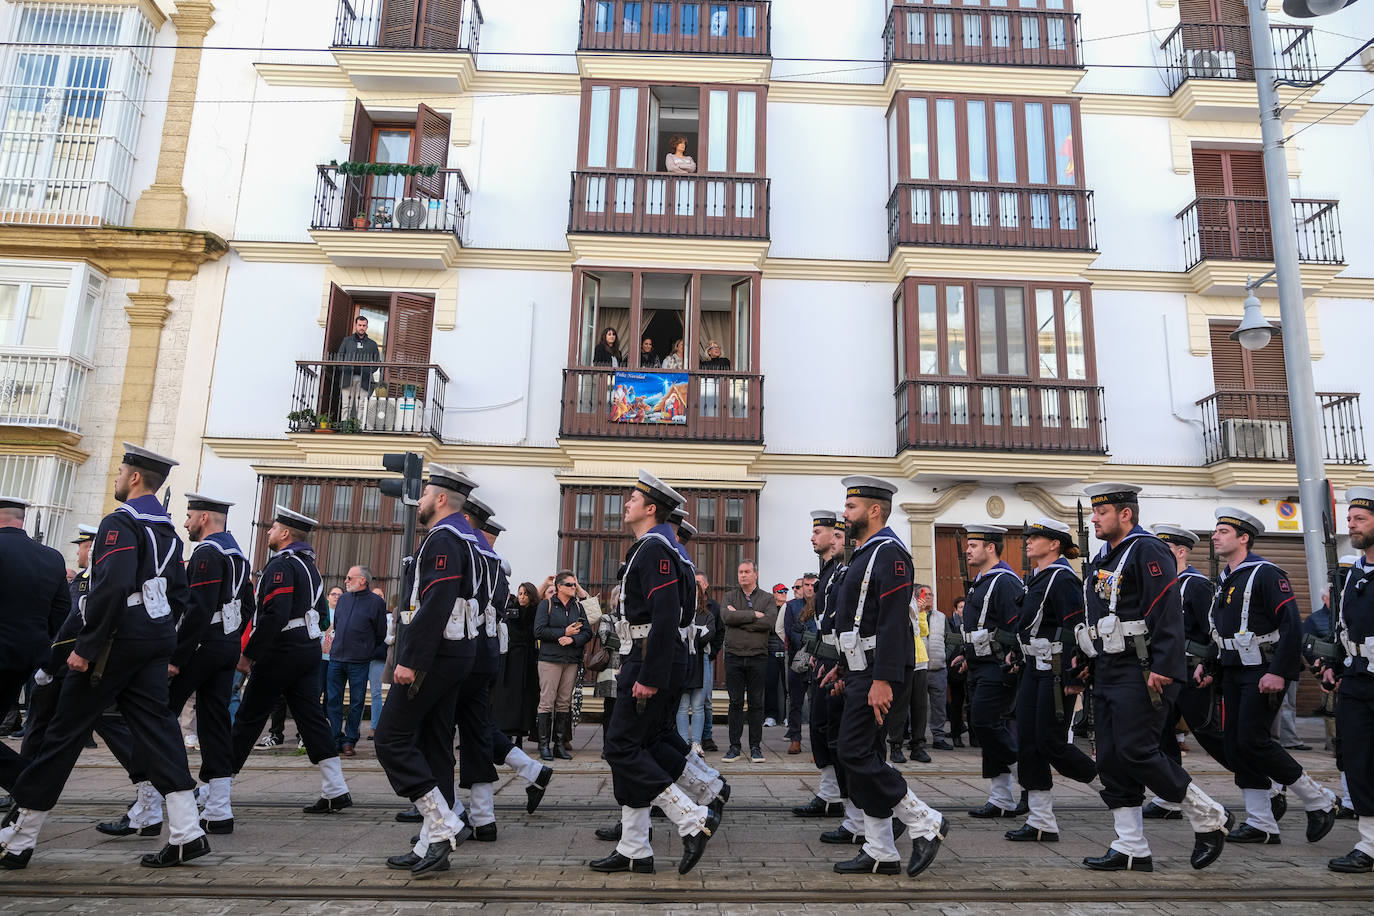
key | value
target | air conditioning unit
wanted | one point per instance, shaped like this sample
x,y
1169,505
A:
x,y
412,213
1211,65
1263,439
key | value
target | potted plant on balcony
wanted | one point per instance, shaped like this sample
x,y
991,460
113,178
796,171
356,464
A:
x,y
350,427
360,221
322,424
302,420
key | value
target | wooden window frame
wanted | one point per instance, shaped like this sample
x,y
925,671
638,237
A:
x,y
1007,5
900,109
642,162
691,317
907,296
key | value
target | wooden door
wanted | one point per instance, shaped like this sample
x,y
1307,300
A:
x,y
949,579
1233,212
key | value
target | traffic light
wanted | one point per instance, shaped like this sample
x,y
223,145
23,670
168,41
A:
x,y
409,466
1310,9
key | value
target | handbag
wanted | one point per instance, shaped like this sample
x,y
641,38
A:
x,y
801,661
595,656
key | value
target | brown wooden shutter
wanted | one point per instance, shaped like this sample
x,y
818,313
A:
x,y
1228,359
1208,172
339,323
1246,168
1230,11
359,150
429,146
441,24
1266,369
399,18
409,329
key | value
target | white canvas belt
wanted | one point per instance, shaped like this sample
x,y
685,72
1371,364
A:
x,y
1357,649
294,623
830,639
217,617
640,630
135,599
1236,645
1128,628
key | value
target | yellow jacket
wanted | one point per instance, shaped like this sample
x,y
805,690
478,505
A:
x,y
922,657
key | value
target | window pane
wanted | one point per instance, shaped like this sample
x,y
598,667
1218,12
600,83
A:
x,y
310,500
1030,32
1006,142
598,127
627,128
946,140
1074,351
706,515
745,131
944,29
748,24
342,509
926,320
605,12
734,516
977,141
917,138
583,519
973,30
892,150
582,560
691,18
9,313
43,324
720,20
613,512
1035,142
719,130
662,16
632,17
1065,172
899,310
83,339
955,331
1046,340
1014,303
372,504
988,350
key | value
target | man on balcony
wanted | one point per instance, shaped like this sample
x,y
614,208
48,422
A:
x,y
355,383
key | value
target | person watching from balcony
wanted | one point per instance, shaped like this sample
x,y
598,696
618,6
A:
x,y
714,358
607,351
676,359
677,160
648,359
355,383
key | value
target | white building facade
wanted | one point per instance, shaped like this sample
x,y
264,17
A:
x,y
988,249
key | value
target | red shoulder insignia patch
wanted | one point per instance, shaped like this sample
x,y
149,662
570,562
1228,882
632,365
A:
x,y
1284,586
111,538
203,566
276,578
664,567
899,568
1155,570
441,561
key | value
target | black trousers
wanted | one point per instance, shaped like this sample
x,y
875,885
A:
x,y
472,716
744,679
1355,725
820,721
1249,717
501,745
670,749
11,681
415,737
956,698
111,728
913,708
1195,706
292,673
775,687
1042,740
992,697
1126,725
277,724
209,674
637,775
135,680
873,786
796,700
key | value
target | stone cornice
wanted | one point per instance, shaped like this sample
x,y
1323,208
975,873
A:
x,y
175,254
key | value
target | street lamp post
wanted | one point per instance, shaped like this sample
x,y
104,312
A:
x,y
1297,355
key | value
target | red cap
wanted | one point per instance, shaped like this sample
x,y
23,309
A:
x,y
779,588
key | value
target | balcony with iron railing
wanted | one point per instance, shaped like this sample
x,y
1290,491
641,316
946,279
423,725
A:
x,y
711,406
435,203
1221,51
1066,417
659,204
989,216
1253,425
992,37
727,27
436,25
392,398
1237,229
42,391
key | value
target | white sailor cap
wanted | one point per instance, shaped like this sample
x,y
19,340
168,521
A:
x,y
13,502
1240,520
85,533
479,510
1174,534
198,502
136,456
992,533
658,491
1048,528
450,479
1113,492
1348,561
1360,498
492,527
686,531
827,519
295,520
678,515
868,487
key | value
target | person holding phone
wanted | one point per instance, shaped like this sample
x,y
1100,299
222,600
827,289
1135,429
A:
x,y
561,626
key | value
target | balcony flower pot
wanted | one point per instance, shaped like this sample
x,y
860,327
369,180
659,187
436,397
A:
x,y
360,222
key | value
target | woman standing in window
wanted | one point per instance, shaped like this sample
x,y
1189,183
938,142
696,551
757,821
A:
x,y
677,160
676,359
607,351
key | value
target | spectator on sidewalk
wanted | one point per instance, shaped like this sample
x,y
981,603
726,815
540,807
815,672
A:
x,y
375,670
359,628
910,707
775,687
561,625
714,661
799,619
937,679
750,615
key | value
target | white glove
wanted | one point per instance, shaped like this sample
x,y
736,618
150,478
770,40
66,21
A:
x,y
42,678
390,630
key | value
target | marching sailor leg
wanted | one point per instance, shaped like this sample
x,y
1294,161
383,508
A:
x,y
633,852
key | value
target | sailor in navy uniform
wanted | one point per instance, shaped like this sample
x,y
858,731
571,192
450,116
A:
x,y
1355,708
138,592
827,541
37,600
1050,608
1256,625
1132,638
653,598
876,641
435,652
991,613
1196,705
282,656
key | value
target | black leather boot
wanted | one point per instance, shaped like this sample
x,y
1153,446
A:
x,y
562,722
544,721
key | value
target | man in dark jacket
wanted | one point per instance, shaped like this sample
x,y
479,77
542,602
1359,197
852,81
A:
x,y
355,384
750,615
359,628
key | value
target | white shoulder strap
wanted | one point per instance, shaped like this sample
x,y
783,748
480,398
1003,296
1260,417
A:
x,y
1040,611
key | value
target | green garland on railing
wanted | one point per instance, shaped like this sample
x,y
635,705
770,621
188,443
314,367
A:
x,y
384,169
